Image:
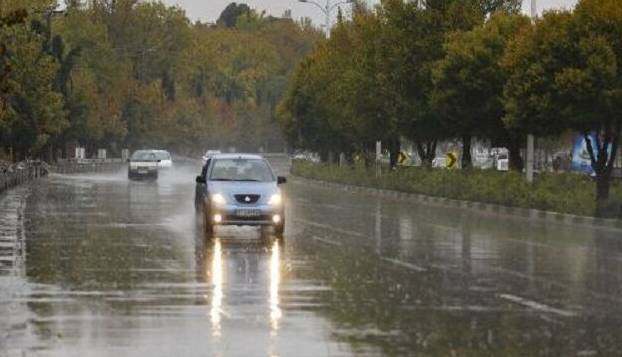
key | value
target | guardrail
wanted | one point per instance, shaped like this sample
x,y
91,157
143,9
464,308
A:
x,y
22,172
78,166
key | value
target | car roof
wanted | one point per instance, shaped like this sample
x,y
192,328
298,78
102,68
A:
x,y
237,156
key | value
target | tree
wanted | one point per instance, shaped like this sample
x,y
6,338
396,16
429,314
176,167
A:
x,y
565,74
138,73
489,7
230,15
414,39
469,83
35,110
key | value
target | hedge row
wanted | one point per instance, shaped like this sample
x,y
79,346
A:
x,y
565,192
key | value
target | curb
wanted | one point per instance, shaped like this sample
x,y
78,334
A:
x,y
528,213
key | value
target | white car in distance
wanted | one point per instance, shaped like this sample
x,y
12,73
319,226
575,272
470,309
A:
x,y
164,157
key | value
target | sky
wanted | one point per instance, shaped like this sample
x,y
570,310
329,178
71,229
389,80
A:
x,y
209,10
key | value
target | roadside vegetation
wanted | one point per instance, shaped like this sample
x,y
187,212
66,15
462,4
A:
x,y
128,73
463,69
565,193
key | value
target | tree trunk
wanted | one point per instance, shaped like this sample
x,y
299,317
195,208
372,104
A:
x,y
467,161
603,164
516,161
426,152
513,143
602,194
394,150
323,156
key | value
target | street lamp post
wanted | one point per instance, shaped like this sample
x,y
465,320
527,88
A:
x,y
530,138
327,9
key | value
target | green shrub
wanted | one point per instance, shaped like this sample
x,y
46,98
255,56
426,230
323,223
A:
x,y
566,193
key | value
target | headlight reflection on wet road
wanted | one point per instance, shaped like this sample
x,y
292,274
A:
x,y
275,281
217,294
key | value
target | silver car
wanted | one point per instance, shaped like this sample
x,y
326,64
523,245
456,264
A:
x,y
143,164
239,189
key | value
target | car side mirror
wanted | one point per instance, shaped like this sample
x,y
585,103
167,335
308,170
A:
x,y
281,180
159,161
200,179
128,160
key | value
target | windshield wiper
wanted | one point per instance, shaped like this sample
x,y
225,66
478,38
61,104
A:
x,y
221,179
249,180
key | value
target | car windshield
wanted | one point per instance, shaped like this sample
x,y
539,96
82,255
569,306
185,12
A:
x,y
162,155
241,170
144,156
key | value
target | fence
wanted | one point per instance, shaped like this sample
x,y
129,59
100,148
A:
x,y
22,172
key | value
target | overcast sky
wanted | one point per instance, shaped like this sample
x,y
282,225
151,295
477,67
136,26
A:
x,y
208,10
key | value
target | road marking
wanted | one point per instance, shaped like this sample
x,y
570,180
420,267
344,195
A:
x,y
326,226
327,241
405,265
536,305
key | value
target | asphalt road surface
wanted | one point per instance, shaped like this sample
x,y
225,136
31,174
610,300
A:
x,y
94,265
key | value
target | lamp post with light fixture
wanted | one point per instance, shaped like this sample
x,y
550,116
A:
x,y
326,10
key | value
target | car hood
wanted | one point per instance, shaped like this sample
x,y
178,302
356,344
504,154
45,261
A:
x,y
230,188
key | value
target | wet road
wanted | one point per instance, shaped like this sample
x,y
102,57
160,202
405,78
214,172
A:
x,y
97,266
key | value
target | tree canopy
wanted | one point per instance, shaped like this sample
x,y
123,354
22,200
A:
x,y
565,74
448,69
130,73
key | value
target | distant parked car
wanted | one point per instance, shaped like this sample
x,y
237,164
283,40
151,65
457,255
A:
x,y
208,154
439,162
164,157
143,164
307,156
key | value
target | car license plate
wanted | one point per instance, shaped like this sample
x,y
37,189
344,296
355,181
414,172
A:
x,y
142,172
247,213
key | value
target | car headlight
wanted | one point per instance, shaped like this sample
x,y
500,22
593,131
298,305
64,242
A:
x,y
218,199
275,200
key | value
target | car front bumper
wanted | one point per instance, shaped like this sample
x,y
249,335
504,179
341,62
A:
x,y
142,172
251,215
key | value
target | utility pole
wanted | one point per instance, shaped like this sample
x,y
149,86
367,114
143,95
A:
x,y
530,137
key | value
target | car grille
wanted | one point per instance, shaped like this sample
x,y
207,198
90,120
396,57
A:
x,y
247,199
247,219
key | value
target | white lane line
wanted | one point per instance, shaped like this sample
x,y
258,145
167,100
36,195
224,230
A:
x,y
327,241
329,227
536,305
404,264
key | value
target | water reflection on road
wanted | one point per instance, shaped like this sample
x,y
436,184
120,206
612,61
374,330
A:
x,y
118,267
217,282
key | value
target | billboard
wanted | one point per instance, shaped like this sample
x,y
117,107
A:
x,y
580,156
